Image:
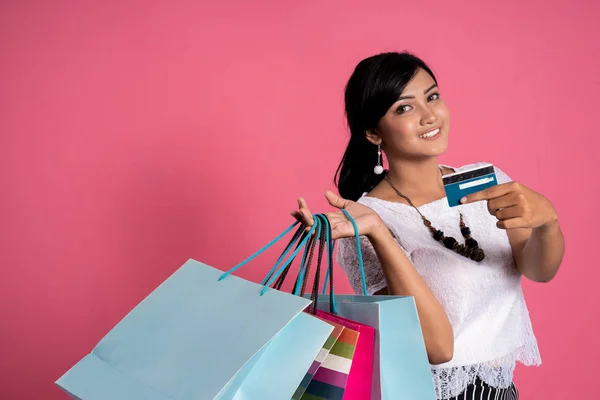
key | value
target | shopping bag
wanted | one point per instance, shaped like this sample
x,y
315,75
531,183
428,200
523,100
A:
x,y
330,380
359,380
333,337
400,364
203,334
401,367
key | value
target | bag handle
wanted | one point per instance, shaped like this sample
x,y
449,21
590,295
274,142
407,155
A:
x,y
360,256
330,251
313,245
305,266
315,293
308,251
269,282
279,282
359,251
325,241
277,269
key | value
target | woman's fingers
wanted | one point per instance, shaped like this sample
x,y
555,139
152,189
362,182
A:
x,y
336,200
303,214
301,203
508,213
297,215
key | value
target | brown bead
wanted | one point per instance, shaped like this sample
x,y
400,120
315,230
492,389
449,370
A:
x,y
478,255
450,242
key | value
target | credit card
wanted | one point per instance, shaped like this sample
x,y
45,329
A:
x,y
460,184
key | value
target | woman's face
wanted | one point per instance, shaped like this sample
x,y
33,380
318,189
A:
x,y
416,126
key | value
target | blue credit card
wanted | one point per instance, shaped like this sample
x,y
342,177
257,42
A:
x,y
460,184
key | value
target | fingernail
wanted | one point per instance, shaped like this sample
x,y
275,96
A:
x,y
463,200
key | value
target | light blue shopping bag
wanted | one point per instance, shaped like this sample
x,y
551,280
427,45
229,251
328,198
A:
x,y
401,369
203,334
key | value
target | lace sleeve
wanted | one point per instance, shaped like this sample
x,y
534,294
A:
x,y
347,258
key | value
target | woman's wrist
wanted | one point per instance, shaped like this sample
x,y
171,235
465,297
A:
x,y
379,233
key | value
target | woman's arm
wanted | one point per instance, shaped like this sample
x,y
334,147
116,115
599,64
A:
x,y
538,252
531,223
404,280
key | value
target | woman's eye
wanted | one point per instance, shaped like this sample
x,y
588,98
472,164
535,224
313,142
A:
x,y
433,96
402,109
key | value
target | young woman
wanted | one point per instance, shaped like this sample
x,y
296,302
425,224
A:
x,y
463,264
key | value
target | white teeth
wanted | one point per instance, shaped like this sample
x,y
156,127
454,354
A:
x,y
430,134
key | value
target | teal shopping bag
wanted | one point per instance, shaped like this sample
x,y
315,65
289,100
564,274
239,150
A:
x,y
203,334
401,369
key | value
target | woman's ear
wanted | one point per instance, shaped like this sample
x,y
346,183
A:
x,y
374,137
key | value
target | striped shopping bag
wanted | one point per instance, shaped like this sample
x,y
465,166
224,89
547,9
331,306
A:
x,y
330,379
333,337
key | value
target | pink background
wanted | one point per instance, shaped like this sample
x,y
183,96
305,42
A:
x,y
131,136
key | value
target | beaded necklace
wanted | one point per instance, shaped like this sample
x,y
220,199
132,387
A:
x,y
469,249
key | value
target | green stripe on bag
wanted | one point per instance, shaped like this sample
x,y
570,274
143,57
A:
x,y
330,342
342,349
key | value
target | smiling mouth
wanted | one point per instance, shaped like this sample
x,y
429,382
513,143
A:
x,y
430,134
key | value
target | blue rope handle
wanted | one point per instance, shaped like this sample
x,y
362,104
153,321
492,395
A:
x,y
294,240
298,283
329,243
289,260
303,266
259,252
266,247
329,255
360,258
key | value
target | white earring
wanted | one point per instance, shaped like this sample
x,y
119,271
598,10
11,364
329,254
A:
x,y
379,167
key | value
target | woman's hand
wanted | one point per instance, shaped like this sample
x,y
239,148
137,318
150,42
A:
x,y
400,275
367,220
516,206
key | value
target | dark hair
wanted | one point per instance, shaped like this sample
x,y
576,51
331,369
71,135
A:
x,y
376,83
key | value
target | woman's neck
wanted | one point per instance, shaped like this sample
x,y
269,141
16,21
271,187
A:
x,y
422,178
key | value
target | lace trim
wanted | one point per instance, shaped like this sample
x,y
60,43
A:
x,y
451,382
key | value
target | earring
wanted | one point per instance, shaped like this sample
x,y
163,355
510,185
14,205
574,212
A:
x,y
379,167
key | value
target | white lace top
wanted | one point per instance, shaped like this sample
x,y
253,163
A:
x,y
484,301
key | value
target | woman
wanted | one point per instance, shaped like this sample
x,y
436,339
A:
x,y
468,295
